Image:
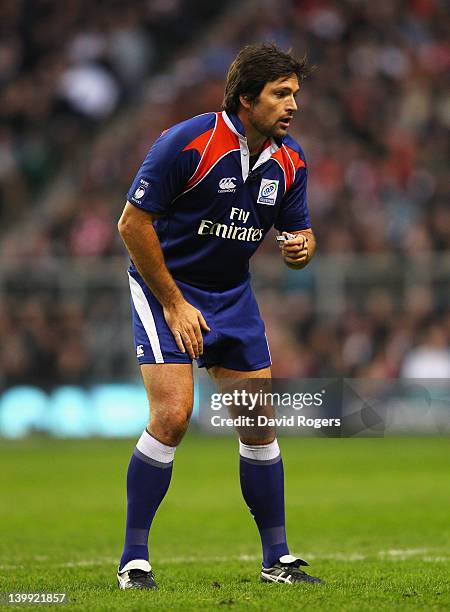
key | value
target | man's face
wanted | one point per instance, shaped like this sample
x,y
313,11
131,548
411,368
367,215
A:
x,y
273,110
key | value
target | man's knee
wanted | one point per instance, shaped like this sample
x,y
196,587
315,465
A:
x,y
169,423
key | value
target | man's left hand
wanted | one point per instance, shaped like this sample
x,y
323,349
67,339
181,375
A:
x,y
295,251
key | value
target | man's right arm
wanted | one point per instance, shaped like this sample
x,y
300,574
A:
x,y
140,238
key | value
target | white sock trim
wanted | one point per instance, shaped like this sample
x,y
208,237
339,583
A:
x,y
263,452
153,448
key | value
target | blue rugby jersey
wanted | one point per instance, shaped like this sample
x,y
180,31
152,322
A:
x,y
215,210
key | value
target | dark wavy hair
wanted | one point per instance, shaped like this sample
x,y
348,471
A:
x,y
254,66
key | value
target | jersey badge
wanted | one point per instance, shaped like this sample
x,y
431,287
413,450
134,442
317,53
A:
x,y
268,192
141,189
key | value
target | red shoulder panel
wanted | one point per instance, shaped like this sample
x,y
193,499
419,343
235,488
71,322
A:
x,y
200,142
290,161
215,147
297,160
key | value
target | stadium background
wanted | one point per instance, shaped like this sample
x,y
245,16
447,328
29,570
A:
x,y
84,90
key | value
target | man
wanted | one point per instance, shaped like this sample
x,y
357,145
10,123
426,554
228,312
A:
x,y
205,196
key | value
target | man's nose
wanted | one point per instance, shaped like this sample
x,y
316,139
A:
x,y
292,104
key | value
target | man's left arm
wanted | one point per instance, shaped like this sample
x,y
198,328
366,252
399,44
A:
x,y
293,218
298,252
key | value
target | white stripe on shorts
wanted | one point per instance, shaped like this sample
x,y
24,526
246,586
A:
x,y
268,348
146,317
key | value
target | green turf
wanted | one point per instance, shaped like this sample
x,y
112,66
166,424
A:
x,y
371,515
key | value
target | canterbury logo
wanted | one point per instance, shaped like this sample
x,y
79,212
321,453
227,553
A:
x,y
227,184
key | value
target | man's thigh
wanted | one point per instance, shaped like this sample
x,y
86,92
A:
x,y
243,385
170,392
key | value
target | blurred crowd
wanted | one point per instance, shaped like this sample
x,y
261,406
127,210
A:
x,y
66,68
382,338
374,120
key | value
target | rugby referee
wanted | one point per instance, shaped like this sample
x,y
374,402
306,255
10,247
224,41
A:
x,y
208,191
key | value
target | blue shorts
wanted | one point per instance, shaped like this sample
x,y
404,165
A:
x,y
237,339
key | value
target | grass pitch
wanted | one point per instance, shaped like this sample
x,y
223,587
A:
x,y
370,515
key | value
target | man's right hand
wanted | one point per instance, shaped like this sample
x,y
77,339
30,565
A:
x,y
186,324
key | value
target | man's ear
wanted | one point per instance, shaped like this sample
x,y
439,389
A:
x,y
244,100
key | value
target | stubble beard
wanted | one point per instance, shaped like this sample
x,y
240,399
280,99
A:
x,y
268,131
265,130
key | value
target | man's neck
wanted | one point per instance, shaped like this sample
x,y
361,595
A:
x,y
255,139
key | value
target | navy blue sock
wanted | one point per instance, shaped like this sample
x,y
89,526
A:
x,y
148,479
262,484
